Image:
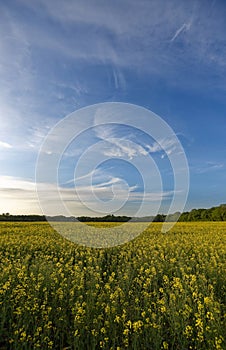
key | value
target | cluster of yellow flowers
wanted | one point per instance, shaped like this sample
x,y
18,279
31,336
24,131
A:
x,y
159,291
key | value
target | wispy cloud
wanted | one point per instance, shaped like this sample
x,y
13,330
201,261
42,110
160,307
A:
x,y
19,196
208,167
5,145
128,146
124,149
118,145
111,36
152,196
10,182
125,41
185,27
166,145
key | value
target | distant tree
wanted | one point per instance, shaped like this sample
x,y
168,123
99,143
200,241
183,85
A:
x,y
194,215
173,217
159,218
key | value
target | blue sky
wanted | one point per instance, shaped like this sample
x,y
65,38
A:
x,y
167,56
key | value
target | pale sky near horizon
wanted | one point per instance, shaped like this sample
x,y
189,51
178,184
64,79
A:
x,y
167,56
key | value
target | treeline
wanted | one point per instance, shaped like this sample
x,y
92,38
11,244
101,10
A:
x,y
212,214
106,218
61,218
29,218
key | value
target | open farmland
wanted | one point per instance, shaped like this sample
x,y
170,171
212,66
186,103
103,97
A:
x,y
159,291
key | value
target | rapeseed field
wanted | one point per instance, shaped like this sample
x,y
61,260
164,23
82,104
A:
x,y
159,291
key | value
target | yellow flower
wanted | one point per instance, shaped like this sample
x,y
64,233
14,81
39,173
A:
x,y
117,319
103,330
165,345
129,324
126,331
137,325
188,331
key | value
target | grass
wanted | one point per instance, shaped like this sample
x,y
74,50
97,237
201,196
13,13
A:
x,y
159,291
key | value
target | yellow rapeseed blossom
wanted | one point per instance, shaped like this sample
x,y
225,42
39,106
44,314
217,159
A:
x,y
160,291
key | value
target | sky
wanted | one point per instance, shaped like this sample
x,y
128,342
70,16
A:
x,y
56,57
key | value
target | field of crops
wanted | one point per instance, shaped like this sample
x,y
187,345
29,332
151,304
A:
x,y
159,291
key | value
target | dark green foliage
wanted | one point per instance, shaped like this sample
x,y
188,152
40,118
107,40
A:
x,y
212,214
